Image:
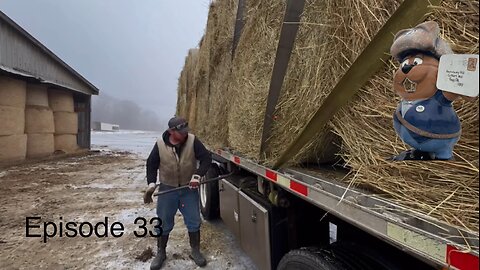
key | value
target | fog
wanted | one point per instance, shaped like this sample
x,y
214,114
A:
x,y
133,51
127,114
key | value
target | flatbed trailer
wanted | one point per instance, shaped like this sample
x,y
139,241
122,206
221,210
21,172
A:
x,y
302,219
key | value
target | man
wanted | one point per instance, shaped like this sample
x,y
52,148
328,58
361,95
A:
x,y
175,156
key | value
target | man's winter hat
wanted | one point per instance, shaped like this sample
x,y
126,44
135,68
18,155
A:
x,y
179,124
424,37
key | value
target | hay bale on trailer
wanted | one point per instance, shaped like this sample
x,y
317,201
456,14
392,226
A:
x,y
251,73
191,91
186,91
221,41
201,82
331,35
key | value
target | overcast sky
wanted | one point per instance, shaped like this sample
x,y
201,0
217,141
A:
x,y
130,49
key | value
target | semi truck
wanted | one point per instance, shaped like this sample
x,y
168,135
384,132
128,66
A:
x,y
305,218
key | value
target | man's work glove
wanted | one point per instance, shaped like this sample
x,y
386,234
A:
x,y
147,197
195,181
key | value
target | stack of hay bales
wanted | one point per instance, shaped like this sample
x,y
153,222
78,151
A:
x,y
13,141
204,81
39,125
65,119
331,36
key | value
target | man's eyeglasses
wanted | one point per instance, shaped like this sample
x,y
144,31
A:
x,y
181,126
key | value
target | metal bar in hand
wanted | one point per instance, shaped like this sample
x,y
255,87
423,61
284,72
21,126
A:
x,y
184,187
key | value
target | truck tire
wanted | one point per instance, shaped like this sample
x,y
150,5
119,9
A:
x,y
310,259
209,196
363,257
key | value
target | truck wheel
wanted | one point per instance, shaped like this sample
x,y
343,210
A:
x,y
362,257
209,197
310,259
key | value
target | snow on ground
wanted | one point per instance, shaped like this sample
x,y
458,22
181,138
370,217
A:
x,y
134,141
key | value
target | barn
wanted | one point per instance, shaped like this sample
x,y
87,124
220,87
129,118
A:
x,y
45,104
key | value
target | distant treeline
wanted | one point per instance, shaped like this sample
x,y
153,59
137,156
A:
x,y
125,113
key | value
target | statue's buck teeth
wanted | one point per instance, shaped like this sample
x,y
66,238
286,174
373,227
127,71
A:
x,y
409,86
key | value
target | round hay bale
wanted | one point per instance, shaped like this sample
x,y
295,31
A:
x,y
12,92
65,122
12,120
60,101
14,147
38,120
39,145
66,143
251,74
37,95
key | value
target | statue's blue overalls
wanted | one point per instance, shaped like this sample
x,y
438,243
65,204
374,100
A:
x,y
435,115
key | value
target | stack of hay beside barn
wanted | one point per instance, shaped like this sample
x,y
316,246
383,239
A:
x,y
13,140
39,125
66,120
44,103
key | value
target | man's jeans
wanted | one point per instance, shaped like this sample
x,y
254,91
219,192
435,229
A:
x,y
185,200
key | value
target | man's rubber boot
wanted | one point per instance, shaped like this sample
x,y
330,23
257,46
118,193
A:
x,y
196,256
161,253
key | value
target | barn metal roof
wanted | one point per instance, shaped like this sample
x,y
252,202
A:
x,y
24,56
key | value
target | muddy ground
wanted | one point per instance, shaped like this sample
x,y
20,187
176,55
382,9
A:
x,y
88,188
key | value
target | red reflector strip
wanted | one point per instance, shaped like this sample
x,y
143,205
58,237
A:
x,y
460,260
302,189
271,175
236,160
